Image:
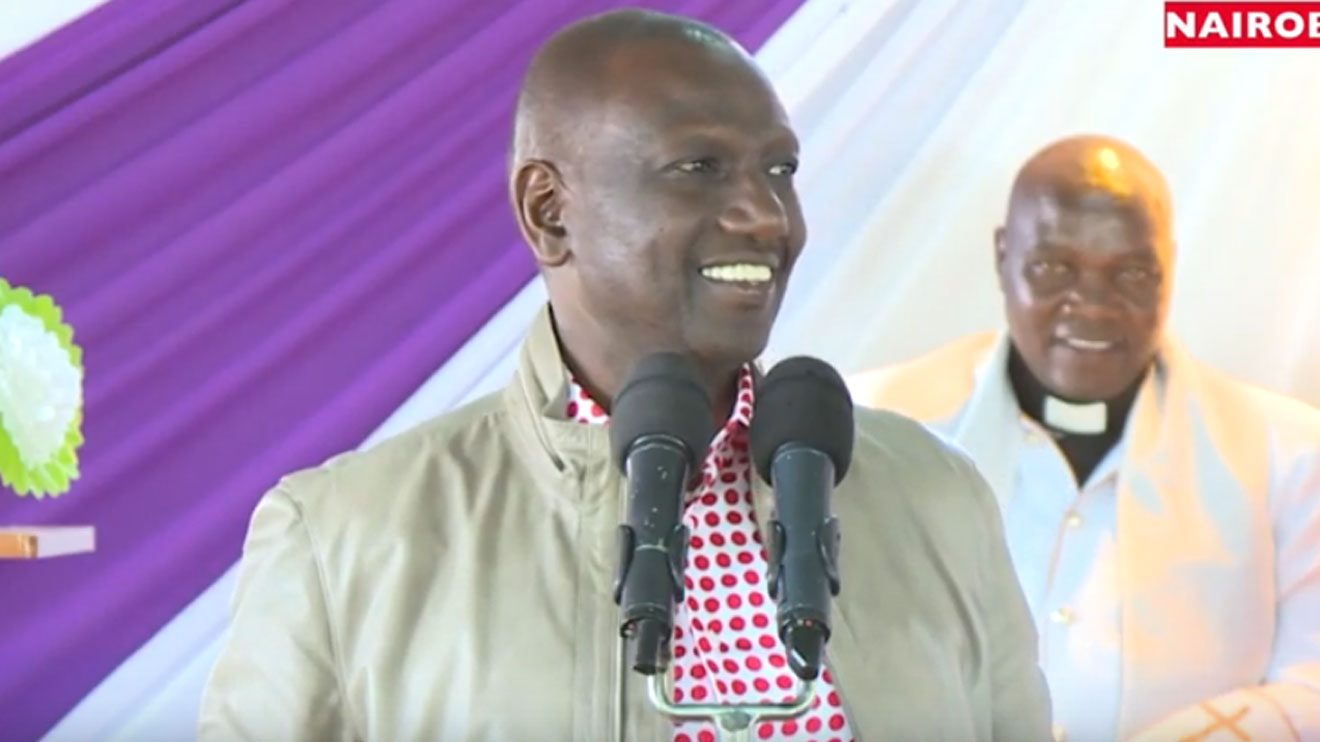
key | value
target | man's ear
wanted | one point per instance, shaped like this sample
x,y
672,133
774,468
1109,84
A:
x,y
999,256
538,201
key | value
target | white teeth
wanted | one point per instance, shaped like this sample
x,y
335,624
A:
x,y
1081,344
739,273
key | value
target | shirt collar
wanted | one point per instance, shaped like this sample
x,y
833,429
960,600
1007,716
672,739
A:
x,y
581,408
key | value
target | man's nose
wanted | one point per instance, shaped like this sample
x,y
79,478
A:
x,y
1093,293
756,211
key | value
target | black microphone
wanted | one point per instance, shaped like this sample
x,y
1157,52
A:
x,y
660,427
802,440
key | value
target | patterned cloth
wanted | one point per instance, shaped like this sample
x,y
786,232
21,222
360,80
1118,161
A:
x,y
725,646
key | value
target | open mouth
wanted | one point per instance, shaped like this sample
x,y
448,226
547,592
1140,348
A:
x,y
741,286
1087,345
744,274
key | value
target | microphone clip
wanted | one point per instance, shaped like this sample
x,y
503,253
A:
x,y
803,628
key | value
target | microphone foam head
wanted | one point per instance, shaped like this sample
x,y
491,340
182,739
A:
x,y
662,396
803,400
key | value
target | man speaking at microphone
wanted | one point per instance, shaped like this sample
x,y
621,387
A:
x,y
456,583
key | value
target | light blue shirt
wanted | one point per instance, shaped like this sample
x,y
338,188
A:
x,y
1064,546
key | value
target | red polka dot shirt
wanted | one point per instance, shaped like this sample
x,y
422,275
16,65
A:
x,y
725,645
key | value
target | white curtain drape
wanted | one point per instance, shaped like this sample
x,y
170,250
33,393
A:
x,y
900,259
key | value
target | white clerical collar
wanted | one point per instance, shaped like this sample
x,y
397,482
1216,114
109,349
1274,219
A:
x,y
1090,418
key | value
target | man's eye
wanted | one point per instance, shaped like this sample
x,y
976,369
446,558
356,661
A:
x,y
700,165
1047,268
1134,274
784,169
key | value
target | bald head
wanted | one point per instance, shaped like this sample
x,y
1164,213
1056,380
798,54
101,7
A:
x,y
1094,170
592,61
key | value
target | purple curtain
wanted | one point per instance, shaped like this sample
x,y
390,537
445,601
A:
x,y
268,222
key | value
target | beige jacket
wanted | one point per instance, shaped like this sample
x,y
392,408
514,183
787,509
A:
x,y
454,584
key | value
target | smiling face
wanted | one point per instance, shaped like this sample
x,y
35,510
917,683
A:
x,y
1085,263
653,179
683,221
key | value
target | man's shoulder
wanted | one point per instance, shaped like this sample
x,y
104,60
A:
x,y
891,434
358,482
914,492
896,456
1247,405
929,387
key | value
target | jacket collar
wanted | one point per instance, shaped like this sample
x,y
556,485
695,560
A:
x,y
536,399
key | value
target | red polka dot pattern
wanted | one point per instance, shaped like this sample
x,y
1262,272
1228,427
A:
x,y
725,647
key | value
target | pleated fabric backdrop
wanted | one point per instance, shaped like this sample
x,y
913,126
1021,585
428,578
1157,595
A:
x,y
282,233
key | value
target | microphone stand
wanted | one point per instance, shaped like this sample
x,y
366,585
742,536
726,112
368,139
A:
x,y
734,722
